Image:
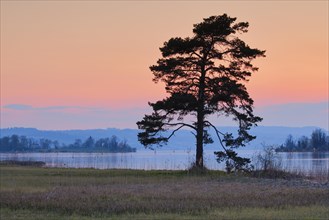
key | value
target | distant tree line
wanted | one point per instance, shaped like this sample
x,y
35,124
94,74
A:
x,y
17,143
318,142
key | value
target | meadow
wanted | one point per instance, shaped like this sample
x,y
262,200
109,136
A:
x,y
30,192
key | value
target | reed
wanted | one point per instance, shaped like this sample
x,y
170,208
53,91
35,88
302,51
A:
x,y
90,194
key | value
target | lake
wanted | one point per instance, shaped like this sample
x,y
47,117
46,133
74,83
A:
x,y
164,160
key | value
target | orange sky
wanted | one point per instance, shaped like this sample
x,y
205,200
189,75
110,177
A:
x,y
87,53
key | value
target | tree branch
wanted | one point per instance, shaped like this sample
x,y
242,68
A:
x,y
217,133
174,131
182,124
198,55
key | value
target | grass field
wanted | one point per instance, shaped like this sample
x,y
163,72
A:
x,y
54,193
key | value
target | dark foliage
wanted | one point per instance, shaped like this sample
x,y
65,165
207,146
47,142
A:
x,y
204,75
233,161
318,142
17,143
23,163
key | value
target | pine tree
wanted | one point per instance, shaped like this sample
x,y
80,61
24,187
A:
x,y
204,75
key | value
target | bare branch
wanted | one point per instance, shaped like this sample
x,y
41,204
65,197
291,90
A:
x,y
217,133
174,131
198,55
182,124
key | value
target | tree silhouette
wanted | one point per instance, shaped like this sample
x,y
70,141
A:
x,y
203,75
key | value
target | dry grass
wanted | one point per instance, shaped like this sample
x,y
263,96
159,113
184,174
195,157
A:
x,y
298,213
117,193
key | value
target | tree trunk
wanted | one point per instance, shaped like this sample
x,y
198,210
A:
x,y
199,141
200,120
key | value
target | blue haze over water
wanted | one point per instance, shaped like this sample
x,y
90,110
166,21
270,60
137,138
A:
x,y
179,154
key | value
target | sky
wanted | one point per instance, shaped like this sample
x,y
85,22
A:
x,y
85,64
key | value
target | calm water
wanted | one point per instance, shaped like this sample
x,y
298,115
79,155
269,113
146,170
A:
x,y
163,160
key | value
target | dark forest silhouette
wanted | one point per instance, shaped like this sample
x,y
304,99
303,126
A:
x,y
15,143
318,142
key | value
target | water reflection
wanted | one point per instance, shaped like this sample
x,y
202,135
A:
x,y
306,162
164,160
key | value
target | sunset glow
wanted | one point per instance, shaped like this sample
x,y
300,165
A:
x,y
94,57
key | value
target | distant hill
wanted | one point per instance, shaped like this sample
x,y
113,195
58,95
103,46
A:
x,y
269,135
